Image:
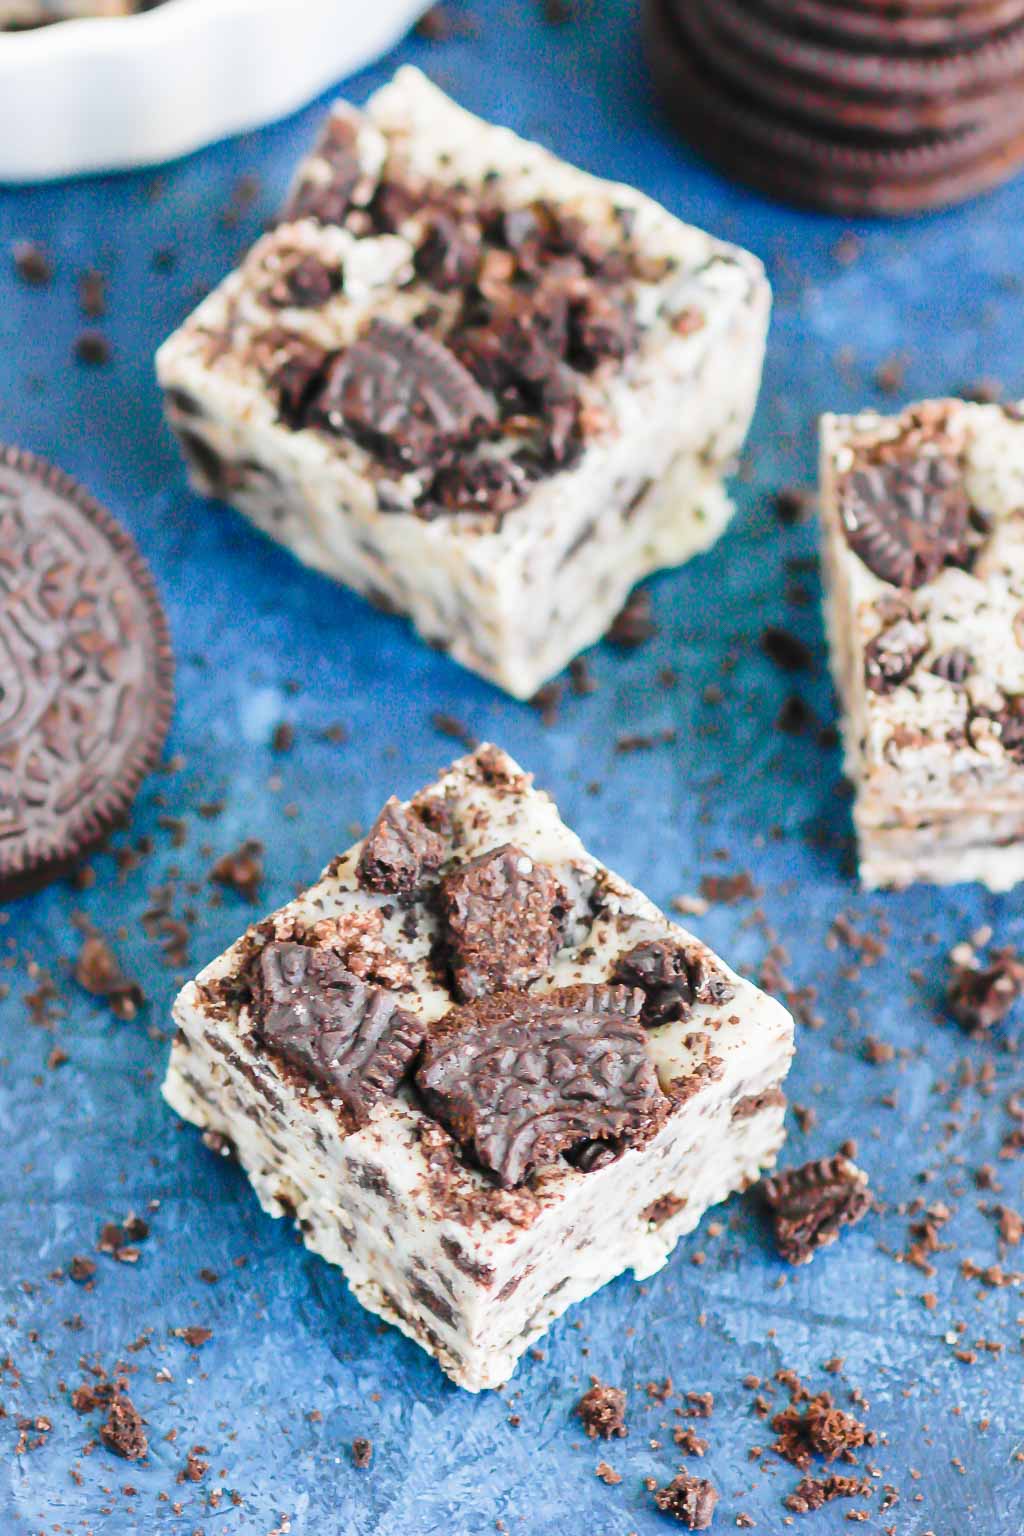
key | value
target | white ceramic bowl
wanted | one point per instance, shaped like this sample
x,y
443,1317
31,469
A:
x,y
96,95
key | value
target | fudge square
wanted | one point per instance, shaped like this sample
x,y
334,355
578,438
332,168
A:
x,y
923,530
482,1073
483,388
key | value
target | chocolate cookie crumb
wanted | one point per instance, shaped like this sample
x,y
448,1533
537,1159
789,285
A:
x,y
690,1500
92,348
98,970
242,870
634,624
786,650
814,1493
32,264
124,1430
362,1452
980,997
811,1203
602,1411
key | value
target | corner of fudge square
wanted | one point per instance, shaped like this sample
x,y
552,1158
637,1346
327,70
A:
x,y
922,523
479,386
482,1073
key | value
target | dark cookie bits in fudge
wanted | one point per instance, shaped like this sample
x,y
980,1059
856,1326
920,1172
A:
x,y
890,658
483,388
351,1039
810,1204
905,511
403,396
504,916
402,848
672,978
520,1078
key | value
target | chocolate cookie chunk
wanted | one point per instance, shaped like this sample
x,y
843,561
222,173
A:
x,y
890,658
400,851
907,519
351,1039
521,1077
810,1204
672,978
402,395
981,996
85,671
691,1500
503,917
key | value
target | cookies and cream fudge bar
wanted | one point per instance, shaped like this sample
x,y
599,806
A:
x,y
923,530
485,389
482,1073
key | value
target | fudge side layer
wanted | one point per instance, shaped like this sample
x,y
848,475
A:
x,y
480,386
483,1074
923,540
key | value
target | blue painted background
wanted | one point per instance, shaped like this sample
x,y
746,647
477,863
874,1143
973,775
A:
x,y
260,640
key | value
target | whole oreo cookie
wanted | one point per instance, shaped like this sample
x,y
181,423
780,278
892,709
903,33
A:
x,y
85,671
748,58
858,23
803,162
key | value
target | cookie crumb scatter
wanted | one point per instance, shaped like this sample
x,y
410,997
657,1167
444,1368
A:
x,y
124,1430
690,1500
92,348
241,871
602,1411
32,264
634,624
362,1452
99,971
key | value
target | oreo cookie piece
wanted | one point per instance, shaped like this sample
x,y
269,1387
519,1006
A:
x,y
785,157
85,671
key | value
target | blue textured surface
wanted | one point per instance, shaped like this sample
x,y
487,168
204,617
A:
x,y
260,640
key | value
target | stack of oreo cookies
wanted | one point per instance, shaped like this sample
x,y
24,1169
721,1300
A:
x,y
859,106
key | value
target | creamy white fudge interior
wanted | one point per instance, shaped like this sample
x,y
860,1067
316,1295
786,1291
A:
x,y
483,1074
923,529
485,389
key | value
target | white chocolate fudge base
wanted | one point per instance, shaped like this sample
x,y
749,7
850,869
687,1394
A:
x,y
515,598
933,804
472,1273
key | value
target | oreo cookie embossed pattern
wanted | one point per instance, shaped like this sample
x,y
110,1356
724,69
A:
x,y
85,671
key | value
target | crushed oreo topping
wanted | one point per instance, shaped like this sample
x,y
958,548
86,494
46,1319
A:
x,y
401,395
602,1411
519,1078
328,196
400,851
308,284
690,1500
981,996
907,518
349,1038
812,1203
503,915
891,656
954,666
672,978
529,302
